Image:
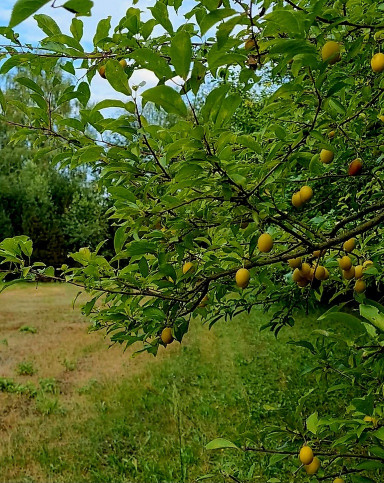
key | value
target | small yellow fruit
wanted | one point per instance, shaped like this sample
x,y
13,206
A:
x,y
265,243
102,72
204,301
306,455
331,134
320,273
368,419
360,286
358,271
367,263
249,44
296,275
338,480
377,62
317,253
166,335
294,262
326,276
313,467
187,267
331,52
326,156
349,274
305,270
345,263
123,63
242,277
381,117
297,200
306,193
303,282
349,245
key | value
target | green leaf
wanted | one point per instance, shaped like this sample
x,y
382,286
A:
x,y
120,238
373,315
76,28
141,247
303,343
143,266
213,103
220,443
160,13
347,319
227,109
214,17
166,97
107,103
276,458
83,93
24,9
148,59
116,76
363,404
379,433
313,422
30,84
87,308
102,31
79,7
47,25
181,53
3,102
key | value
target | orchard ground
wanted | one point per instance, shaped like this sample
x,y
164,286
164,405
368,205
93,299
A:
x,y
80,411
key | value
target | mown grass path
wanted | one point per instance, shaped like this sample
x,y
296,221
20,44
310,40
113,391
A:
x,y
96,414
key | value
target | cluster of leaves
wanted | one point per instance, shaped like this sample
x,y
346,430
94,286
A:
x,y
203,188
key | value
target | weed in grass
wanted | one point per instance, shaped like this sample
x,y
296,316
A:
x,y
47,405
49,385
69,365
4,342
26,368
10,386
91,385
28,328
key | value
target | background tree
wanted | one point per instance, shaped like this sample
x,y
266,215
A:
x,y
60,209
211,211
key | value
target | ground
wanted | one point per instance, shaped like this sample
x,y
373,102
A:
x,y
72,408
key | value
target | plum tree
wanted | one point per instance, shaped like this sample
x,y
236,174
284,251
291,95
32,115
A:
x,y
201,192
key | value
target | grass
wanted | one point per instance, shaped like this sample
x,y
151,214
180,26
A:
x,y
26,368
109,418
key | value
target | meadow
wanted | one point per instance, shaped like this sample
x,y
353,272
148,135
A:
x,y
72,408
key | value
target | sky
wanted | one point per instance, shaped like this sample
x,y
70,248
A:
x,y
100,88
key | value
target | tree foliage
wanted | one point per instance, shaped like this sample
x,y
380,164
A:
x,y
202,189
